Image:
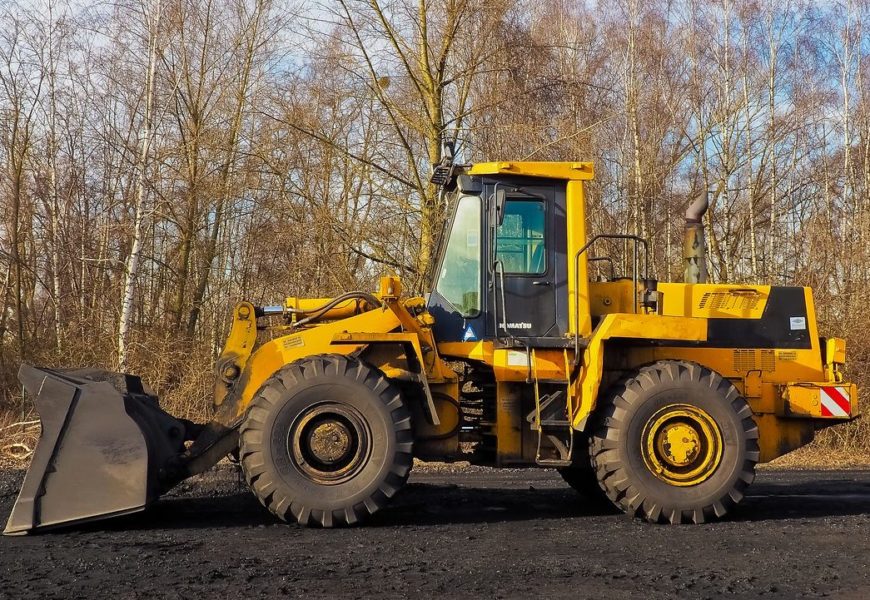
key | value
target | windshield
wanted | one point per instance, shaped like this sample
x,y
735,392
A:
x,y
459,279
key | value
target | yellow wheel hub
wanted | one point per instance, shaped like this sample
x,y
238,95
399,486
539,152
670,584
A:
x,y
681,444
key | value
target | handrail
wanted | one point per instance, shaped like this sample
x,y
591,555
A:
x,y
608,260
634,277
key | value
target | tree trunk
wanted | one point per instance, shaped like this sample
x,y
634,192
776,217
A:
x,y
131,271
227,168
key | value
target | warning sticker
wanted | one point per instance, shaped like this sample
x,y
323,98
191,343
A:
x,y
835,402
293,341
517,359
797,323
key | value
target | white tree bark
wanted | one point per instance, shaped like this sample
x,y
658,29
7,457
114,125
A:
x,y
750,179
54,208
131,271
773,51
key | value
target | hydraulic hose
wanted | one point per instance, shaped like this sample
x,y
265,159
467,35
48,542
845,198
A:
x,y
320,310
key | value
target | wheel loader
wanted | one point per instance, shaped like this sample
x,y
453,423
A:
x,y
658,398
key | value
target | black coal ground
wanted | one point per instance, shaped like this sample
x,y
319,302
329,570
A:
x,y
462,533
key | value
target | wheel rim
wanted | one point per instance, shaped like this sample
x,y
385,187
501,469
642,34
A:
x,y
682,445
329,443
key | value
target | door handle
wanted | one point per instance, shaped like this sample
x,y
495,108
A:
x,y
540,283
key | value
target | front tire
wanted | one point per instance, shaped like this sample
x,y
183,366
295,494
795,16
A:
x,y
326,441
675,443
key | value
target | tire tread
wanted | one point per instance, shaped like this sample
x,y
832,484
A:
x,y
614,477
259,475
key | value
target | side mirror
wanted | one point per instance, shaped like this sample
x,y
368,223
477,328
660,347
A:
x,y
500,196
495,216
447,151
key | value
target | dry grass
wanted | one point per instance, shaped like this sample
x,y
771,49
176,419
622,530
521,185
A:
x,y
819,456
842,446
178,371
17,438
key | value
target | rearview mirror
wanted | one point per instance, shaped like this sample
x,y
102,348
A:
x,y
500,196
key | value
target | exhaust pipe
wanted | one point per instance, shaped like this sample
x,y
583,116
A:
x,y
694,245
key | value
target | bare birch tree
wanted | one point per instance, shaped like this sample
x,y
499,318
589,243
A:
x,y
151,19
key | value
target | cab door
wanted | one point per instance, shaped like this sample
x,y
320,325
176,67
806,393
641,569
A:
x,y
528,291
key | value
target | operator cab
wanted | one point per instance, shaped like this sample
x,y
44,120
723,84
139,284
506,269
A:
x,y
502,270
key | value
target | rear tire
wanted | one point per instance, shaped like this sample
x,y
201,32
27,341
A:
x,y
675,443
581,477
326,441
584,481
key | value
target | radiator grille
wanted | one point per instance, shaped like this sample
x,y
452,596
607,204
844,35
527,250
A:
x,y
744,360
727,300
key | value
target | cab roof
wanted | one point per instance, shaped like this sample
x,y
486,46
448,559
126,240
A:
x,y
550,170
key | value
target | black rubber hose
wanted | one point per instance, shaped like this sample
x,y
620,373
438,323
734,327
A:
x,y
317,312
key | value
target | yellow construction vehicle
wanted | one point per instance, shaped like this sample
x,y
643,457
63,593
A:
x,y
660,398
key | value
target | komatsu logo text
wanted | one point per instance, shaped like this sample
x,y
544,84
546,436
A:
x,y
516,326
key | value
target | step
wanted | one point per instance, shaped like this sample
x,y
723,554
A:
x,y
554,462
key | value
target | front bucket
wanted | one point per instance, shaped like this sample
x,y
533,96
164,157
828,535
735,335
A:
x,y
102,449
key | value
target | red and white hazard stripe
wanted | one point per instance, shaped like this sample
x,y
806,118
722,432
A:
x,y
835,401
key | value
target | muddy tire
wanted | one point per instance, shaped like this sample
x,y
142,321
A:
x,y
674,443
581,477
585,482
327,441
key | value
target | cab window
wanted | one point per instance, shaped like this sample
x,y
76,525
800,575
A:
x,y
459,279
520,240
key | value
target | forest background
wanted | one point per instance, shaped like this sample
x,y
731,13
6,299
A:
x,y
162,159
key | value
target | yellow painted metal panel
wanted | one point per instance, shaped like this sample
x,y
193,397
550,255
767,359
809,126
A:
x,y
710,300
515,364
776,365
611,297
509,423
645,327
652,327
512,364
551,170
579,319
482,351
778,436
273,355
836,350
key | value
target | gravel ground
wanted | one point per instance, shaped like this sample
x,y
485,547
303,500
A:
x,y
457,533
